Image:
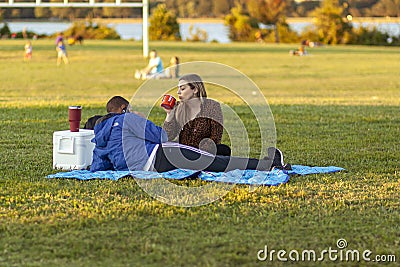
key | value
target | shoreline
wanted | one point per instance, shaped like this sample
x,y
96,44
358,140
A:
x,y
355,19
204,20
139,20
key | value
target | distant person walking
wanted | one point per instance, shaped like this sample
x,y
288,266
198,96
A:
x,y
61,53
28,51
60,37
24,33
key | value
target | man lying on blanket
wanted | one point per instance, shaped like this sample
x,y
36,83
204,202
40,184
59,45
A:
x,y
127,141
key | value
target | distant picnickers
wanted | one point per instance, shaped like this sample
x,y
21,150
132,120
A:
x,y
154,67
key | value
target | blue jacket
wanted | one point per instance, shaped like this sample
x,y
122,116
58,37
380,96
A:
x,y
124,142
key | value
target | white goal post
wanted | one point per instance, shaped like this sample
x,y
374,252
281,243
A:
x,y
92,4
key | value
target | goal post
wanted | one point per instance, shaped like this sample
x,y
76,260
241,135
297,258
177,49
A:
x,y
92,4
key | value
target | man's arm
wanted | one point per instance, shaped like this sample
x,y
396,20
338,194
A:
x,y
144,129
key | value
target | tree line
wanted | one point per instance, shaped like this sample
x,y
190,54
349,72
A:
x,y
201,8
330,25
252,20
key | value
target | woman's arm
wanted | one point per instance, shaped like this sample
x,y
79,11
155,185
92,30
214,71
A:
x,y
170,125
217,121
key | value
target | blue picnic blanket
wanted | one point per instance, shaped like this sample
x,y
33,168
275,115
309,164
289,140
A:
x,y
248,177
305,170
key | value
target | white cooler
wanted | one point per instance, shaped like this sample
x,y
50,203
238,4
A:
x,y
72,150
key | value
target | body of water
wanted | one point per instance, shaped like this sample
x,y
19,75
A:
x,y
216,30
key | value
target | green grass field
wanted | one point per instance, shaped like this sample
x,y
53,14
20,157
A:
x,y
338,106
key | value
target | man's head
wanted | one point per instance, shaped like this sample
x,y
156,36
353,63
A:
x,y
153,54
117,104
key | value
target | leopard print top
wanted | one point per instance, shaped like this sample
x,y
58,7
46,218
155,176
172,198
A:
x,y
207,124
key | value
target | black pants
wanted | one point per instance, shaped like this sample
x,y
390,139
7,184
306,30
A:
x,y
170,158
223,150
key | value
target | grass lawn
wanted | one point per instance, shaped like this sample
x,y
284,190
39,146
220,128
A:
x,y
338,106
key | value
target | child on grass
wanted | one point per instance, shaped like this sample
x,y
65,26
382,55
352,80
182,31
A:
x,y
28,51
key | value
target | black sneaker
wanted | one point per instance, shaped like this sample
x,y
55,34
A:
x,y
277,158
287,167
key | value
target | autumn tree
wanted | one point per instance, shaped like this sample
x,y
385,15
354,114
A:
x,y
204,7
386,8
268,12
164,25
330,25
42,12
221,7
241,26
